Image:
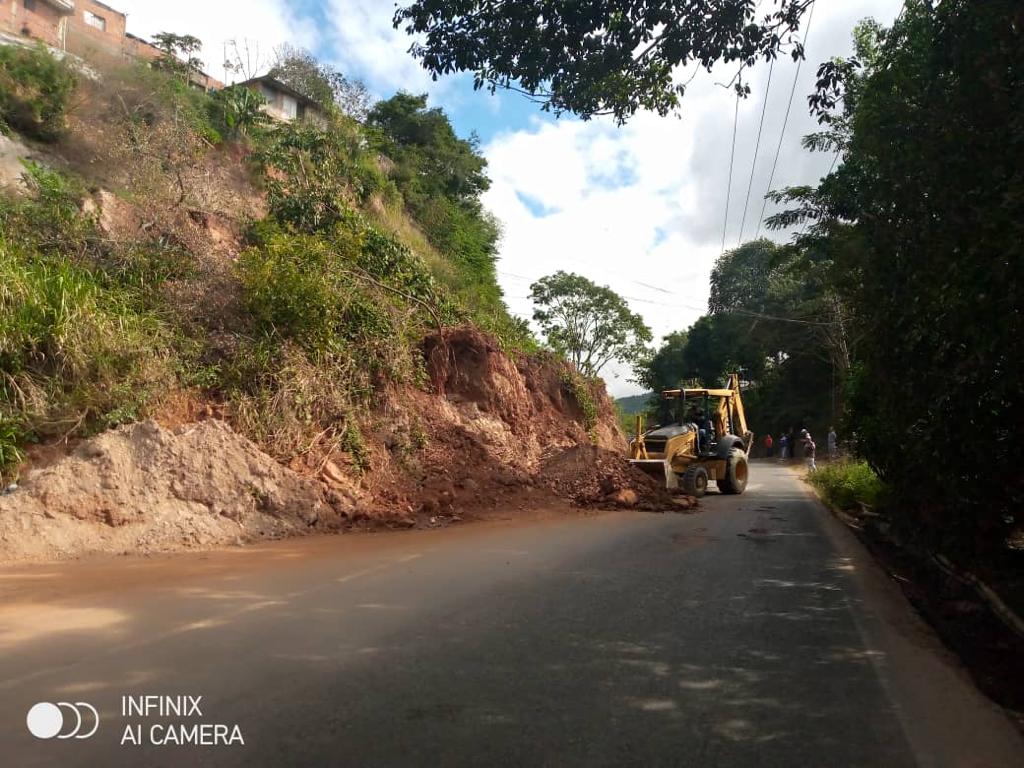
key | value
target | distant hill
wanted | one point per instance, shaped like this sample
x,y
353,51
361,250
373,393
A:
x,y
633,404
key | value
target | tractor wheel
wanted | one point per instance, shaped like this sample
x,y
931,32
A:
x,y
736,473
695,480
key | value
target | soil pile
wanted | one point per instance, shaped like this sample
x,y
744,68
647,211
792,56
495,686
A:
x,y
143,488
476,442
591,476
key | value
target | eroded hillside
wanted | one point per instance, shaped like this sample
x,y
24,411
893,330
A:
x,y
288,327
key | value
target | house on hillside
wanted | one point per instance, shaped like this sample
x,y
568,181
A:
x,y
87,28
284,102
45,20
94,28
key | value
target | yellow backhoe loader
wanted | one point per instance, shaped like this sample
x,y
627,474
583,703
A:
x,y
707,439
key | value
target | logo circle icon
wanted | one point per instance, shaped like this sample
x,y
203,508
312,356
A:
x,y
44,720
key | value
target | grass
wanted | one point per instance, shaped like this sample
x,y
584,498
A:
x,y
577,387
846,484
82,344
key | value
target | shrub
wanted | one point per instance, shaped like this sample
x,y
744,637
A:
x,y
10,445
328,294
314,176
846,484
50,222
578,388
336,317
48,218
34,91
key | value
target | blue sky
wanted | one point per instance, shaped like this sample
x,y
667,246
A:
x,y
640,208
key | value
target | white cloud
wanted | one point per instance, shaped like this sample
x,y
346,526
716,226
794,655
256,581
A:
x,y
363,42
640,208
266,23
361,38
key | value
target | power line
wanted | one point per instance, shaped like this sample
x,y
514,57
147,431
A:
x,y
757,148
732,157
785,121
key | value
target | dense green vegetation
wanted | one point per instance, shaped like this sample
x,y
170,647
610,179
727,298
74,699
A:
x,y
771,320
899,306
374,237
441,177
34,91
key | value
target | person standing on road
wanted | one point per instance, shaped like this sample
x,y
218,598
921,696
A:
x,y
809,450
769,445
833,448
784,446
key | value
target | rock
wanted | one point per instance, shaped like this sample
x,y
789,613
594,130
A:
x,y
625,497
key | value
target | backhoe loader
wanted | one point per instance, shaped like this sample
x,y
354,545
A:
x,y
706,439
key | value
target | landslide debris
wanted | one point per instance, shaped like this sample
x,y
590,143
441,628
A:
x,y
494,434
591,476
142,488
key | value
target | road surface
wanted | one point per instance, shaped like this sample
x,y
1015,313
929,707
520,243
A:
x,y
754,633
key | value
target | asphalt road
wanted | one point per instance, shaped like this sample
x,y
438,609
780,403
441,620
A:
x,y
754,633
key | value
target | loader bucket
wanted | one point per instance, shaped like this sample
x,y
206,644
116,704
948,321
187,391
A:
x,y
660,469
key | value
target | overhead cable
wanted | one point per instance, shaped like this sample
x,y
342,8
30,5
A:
x,y
785,121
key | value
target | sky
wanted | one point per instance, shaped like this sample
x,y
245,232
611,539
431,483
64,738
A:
x,y
640,208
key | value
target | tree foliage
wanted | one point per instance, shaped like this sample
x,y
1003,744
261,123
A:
x,y
431,160
590,324
770,319
602,57
238,111
179,53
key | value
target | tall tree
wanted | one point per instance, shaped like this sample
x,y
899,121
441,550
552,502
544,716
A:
x,y
590,324
179,53
599,57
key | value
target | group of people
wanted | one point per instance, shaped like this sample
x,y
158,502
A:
x,y
788,446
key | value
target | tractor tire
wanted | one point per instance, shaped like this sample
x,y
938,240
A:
x,y
695,481
736,473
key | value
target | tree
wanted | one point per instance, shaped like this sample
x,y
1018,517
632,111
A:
x,y
441,177
179,53
590,324
925,209
666,367
431,159
325,85
600,57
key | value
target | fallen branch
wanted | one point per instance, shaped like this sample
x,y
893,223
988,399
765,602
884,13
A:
x,y
985,592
